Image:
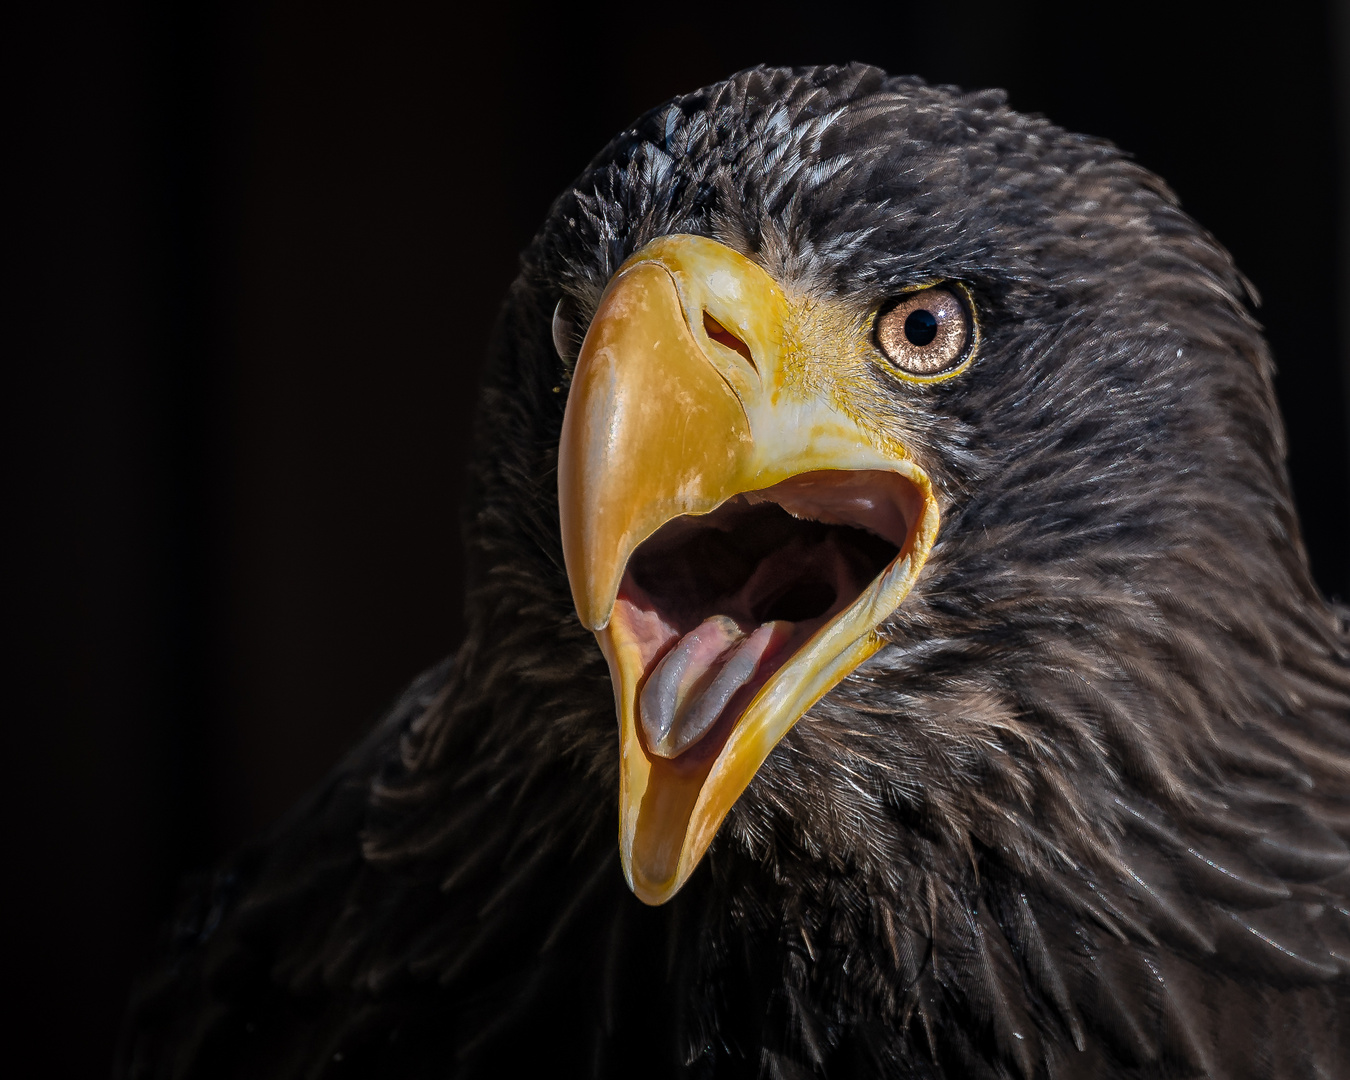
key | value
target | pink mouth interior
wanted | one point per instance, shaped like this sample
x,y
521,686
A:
x,y
719,602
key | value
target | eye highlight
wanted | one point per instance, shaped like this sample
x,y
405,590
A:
x,y
927,334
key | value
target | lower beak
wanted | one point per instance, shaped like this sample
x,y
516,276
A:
x,y
687,393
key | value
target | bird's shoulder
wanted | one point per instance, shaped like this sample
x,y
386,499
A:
x,y
249,975
405,923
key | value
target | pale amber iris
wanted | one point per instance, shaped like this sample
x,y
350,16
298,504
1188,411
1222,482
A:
x,y
926,333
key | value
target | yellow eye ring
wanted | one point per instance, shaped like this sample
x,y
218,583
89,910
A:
x,y
929,335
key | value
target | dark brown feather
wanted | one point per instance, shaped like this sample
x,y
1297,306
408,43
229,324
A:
x,y
1086,815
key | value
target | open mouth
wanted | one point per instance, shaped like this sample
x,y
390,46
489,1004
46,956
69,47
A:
x,y
735,623
717,603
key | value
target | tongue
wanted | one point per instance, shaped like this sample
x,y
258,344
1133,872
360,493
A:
x,y
693,683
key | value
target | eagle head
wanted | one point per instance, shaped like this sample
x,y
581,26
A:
x,y
903,474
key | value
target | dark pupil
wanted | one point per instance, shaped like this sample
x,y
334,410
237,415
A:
x,y
920,327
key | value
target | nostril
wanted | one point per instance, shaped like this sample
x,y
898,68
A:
x,y
723,336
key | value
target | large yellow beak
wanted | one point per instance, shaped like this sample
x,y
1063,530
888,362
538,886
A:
x,y
699,380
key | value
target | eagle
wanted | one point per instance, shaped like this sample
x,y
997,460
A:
x,y
879,524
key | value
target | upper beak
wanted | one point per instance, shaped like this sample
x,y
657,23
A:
x,y
698,381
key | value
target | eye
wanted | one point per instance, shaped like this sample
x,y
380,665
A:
x,y
926,333
565,331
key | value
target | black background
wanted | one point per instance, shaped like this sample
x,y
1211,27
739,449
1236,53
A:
x,y
253,254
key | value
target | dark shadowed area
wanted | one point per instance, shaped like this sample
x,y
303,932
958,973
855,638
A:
x,y
258,252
